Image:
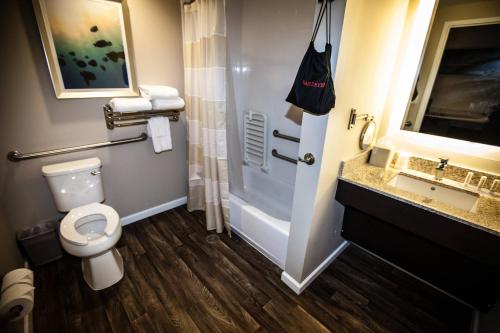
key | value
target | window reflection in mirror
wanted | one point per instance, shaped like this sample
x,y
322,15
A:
x,y
457,92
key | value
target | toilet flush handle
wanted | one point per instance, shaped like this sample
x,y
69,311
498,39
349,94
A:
x,y
95,172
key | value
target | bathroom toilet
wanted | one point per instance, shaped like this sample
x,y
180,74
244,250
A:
x,y
90,230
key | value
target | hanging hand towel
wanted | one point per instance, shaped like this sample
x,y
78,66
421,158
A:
x,y
130,104
158,92
168,104
159,132
313,87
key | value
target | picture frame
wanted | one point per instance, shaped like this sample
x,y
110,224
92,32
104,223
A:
x,y
88,47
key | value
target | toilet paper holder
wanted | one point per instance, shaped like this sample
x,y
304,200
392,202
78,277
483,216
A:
x,y
16,295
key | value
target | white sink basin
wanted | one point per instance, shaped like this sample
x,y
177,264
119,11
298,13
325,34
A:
x,y
452,197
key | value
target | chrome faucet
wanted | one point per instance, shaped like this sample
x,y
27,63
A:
x,y
443,162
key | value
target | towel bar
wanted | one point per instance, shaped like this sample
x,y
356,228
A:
x,y
283,157
111,117
16,156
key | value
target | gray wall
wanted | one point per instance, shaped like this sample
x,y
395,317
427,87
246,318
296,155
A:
x,y
10,258
32,119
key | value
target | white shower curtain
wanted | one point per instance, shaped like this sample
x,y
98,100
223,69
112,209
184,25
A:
x,y
204,40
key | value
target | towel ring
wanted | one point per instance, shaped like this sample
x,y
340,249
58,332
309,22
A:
x,y
367,135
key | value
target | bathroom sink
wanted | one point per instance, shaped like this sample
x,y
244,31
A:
x,y
453,197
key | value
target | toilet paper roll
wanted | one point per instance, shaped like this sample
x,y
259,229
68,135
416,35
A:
x,y
21,275
16,302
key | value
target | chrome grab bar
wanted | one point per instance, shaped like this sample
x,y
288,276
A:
x,y
283,157
277,134
16,156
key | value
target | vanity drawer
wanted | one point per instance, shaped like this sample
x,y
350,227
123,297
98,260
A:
x,y
458,275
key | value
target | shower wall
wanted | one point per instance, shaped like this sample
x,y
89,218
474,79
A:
x,y
266,42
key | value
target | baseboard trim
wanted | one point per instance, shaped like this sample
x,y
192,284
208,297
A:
x,y
153,211
299,287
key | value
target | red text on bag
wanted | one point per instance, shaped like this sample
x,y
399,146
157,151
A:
x,y
313,84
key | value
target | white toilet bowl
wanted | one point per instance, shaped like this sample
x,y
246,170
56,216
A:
x,y
91,232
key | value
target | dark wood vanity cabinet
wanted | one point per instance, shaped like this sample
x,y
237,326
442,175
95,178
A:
x,y
460,259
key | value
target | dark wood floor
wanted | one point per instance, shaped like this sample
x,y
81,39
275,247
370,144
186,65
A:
x,y
177,280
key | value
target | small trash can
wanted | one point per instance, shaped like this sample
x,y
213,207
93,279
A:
x,y
40,243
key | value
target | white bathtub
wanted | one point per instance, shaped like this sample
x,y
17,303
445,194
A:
x,y
263,217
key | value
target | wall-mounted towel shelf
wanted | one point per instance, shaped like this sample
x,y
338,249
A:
x,y
283,157
123,119
277,134
16,156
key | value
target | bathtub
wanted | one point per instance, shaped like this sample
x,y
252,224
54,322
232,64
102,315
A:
x,y
262,218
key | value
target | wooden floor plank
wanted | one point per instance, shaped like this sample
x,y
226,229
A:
x,y
222,289
251,297
346,300
130,238
177,281
176,314
115,312
148,297
144,324
174,273
264,275
282,316
177,273
73,302
249,275
128,296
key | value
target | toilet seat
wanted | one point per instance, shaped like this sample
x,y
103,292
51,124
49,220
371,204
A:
x,y
68,224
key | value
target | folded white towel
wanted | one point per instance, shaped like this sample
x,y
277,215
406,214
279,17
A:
x,y
159,132
130,104
157,92
168,104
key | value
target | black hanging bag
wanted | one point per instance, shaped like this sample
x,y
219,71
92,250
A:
x,y
313,88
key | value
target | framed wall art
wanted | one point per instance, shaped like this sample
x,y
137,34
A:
x,y
88,47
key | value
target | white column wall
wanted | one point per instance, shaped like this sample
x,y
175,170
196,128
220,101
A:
x,y
368,49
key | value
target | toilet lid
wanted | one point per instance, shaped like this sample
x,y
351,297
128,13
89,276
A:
x,y
68,224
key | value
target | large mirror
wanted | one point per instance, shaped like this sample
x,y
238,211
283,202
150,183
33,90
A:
x,y
457,90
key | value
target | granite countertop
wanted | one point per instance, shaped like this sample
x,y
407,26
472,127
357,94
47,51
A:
x,y
486,216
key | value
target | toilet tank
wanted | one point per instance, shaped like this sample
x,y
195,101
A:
x,y
75,183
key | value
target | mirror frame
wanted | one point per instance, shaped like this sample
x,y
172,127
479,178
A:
x,y
410,59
